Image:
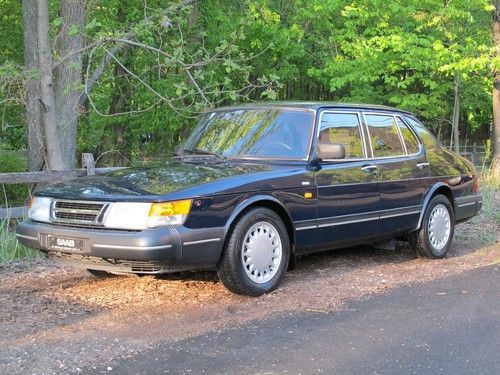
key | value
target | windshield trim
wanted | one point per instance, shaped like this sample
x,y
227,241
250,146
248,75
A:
x,y
279,107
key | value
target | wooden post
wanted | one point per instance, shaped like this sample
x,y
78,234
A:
x,y
88,163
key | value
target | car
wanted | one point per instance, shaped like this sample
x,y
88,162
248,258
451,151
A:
x,y
256,185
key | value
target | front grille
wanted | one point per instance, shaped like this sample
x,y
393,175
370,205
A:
x,y
78,212
91,226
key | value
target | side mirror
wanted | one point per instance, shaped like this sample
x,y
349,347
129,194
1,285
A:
x,y
331,151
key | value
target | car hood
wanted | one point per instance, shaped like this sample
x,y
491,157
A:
x,y
173,180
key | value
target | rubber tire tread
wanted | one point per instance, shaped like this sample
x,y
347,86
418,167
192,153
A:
x,y
419,240
230,270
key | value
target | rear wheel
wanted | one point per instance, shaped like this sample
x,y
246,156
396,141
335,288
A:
x,y
256,255
434,237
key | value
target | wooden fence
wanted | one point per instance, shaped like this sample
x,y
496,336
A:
x,y
88,168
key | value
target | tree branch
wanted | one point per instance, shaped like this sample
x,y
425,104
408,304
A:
x,y
99,71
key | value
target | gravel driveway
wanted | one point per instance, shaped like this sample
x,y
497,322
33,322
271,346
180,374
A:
x,y
56,319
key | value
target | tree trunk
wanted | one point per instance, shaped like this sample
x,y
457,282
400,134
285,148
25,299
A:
x,y
68,76
120,102
456,114
496,91
36,148
54,157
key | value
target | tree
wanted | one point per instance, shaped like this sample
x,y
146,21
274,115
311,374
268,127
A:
x,y
496,87
54,155
36,147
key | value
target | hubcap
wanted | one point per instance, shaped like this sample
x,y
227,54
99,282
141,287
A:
x,y
262,252
439,227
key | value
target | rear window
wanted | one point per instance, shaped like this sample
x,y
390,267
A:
x,y
384,136
411,142
425,135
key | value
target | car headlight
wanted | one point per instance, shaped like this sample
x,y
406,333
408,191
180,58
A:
x,y
39,209
139,216
127,215
169,213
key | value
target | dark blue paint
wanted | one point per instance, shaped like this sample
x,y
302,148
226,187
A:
x,y
341,192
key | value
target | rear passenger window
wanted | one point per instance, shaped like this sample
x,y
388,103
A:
x,y
384,136
427,137
342,128
409,138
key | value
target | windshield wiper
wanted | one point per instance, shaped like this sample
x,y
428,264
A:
x,y
198,151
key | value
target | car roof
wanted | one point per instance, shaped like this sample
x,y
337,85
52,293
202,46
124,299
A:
x,y
314,106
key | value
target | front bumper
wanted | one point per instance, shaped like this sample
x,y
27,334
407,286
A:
x,y
168,249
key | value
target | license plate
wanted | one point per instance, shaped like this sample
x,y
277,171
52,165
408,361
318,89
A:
x,y
65,243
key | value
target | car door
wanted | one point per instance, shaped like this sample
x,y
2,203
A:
x,y
348,197
402,170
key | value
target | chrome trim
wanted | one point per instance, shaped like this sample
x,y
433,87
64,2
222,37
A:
x,y
369,168
27,237
133,247
414,212
348,219
201,241
420,144
348,222
98,218
351,218
362,132
467,204
307,227
400,133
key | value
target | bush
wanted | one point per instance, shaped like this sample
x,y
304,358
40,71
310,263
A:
x,y
13,195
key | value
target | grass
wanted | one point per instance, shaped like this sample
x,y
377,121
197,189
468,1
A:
x,y
10,249
490,187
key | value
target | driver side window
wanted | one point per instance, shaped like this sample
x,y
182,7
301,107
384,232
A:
x,y
345,129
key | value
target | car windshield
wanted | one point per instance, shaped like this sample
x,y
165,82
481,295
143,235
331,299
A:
x,y
253,133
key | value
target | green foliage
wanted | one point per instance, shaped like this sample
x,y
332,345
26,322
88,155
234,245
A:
x,y
10,249
12,195
400,53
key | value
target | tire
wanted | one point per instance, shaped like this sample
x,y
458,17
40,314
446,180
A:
x,y
262,232
434,237
99,274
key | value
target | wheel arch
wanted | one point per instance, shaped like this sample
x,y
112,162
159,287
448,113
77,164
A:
x,y
262,201
438,188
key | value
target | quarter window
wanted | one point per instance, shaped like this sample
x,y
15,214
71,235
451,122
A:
x,y
409,138
343,128
384,136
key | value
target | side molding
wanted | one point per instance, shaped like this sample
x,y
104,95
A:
x,y
426,200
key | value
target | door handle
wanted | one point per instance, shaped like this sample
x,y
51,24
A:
x,y
372,168
422,165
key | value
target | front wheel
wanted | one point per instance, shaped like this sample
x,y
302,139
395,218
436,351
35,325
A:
x,y
256,254
434,237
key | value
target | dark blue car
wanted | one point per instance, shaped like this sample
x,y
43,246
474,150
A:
x,y
256,185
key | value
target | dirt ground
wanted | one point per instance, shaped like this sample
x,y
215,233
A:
x,y
56,319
